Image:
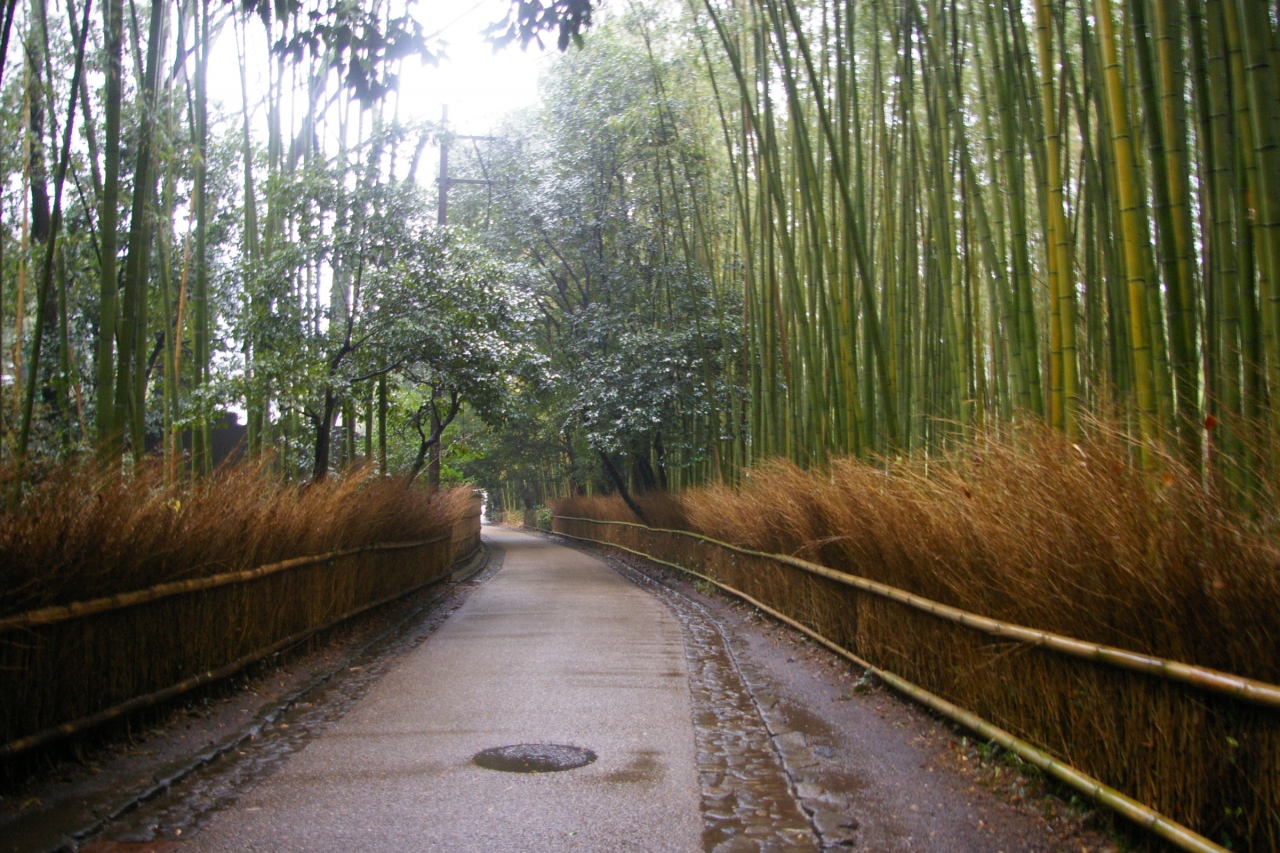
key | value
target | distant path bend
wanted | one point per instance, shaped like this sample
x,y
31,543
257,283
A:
x,y
555,648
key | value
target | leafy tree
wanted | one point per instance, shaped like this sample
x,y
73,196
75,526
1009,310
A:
x,y
528,19
597,206
453,331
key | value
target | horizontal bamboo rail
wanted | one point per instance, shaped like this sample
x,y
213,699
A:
x,y
77,609
148,700
1141,814
1205,678
67,668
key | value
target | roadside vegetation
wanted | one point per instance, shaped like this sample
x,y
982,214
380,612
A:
x,y
973,299
85,534
170,265
1033,530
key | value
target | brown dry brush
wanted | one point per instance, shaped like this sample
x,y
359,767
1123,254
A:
x,y
78,536
1040,531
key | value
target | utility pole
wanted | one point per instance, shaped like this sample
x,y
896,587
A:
x,y
442,205
444,180
442,219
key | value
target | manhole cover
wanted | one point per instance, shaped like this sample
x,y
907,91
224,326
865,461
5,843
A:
x,y
534,757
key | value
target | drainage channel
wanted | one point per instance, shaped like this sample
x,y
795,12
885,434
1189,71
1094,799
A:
x,y
749,764
185,797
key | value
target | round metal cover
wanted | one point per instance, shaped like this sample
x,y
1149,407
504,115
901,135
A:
x,y
534,757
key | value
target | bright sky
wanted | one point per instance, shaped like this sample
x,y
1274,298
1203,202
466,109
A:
x,y
478,85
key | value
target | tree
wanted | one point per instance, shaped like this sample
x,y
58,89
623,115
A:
x,y
528,19
600,195
453,331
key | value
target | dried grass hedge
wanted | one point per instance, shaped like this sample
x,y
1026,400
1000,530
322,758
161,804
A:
x,y
1037,531
79,536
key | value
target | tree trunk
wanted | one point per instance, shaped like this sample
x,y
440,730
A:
x,y
132,355
324,437
382,424
46,270
616,479
429,446
106,418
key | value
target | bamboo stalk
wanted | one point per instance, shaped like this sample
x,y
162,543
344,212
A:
x,y
1062,345
1134,245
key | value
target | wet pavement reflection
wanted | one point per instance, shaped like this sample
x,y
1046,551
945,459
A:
x,y
748,805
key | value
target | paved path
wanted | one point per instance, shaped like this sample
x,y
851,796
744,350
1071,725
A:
x,y
555,648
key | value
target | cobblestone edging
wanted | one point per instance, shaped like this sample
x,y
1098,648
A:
x,y
761,791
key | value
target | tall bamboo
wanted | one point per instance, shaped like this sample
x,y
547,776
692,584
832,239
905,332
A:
x,y
1135,262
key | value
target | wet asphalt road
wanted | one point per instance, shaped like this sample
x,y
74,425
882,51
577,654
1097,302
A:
x,y
715,730
556,648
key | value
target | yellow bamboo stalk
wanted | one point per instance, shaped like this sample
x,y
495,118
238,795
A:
x,y
1141,814
20,309
1061,287
1134,257
172,438
1205,678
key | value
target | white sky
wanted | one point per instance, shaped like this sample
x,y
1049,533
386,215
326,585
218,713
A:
x,y
478,85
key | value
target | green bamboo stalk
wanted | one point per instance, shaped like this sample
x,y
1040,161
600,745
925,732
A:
x,y
1062,283
1017,194
1255,33
1176,274
853,229
1135,263
201,456
107,426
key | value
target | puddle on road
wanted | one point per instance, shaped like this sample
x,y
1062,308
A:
x,y
645,767
747,802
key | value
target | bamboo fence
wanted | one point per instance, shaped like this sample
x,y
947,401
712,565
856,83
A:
x,y
1189,753
64,669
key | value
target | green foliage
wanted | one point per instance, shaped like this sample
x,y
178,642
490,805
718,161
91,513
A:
x,y
636,321
361,45
528,19
300,277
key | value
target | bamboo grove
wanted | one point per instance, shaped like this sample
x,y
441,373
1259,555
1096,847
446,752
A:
x,y
168,257
943,219
960,214
797,228
80,375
